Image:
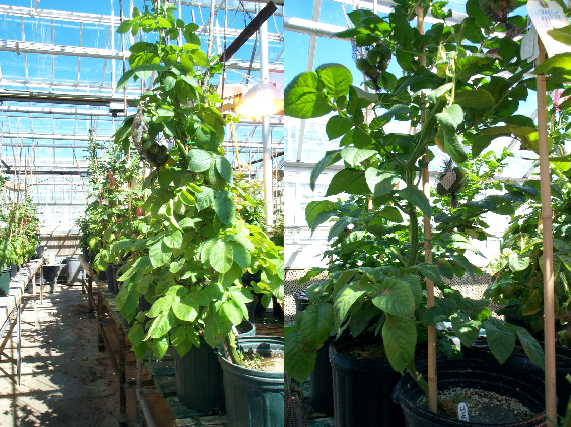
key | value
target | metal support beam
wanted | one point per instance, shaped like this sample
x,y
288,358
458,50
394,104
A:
x,y
20,135
266,133
49,110
63,98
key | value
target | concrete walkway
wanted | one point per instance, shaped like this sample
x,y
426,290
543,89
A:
x,y
66,381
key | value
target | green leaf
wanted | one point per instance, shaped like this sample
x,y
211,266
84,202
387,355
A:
x,y
204,199
517,262
534,303
562,35
186,309
136,334
337,126
403,32
298,362
465,329
241,255
435,94
430,271
160,254
173,240
233,312
381,182
557,64
302,100
449,120
224,168
345,300
221,256
475,98
124,80
330,158
339,226
162,305
124,27
336,78
395,297
224,207
199,160
355,156
501,339
395,110
317,212
160,347
399,341
391,213
530,345
159,327
417,198
316,325
351,181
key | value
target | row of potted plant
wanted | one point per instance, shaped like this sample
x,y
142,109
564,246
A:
x,y
463,95
19,233
186,229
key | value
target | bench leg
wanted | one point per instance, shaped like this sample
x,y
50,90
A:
x,y
19,353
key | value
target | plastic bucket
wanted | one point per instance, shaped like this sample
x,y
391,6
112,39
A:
x,y
254,398
472,373
74,270
362,388
198,376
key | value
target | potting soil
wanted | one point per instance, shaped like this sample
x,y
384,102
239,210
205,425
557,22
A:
x,y
484,406
268,362
365,351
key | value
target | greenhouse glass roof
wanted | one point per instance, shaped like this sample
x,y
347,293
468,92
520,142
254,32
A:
x,y
59,64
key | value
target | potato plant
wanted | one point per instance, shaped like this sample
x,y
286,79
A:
x,y
470,96
196,245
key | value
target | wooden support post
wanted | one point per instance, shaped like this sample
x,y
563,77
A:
x,y
432,385
548,277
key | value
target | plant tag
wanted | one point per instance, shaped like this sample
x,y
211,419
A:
x,y
547,15
448,180
463,412
530,45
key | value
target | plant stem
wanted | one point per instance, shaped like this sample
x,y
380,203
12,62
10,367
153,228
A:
x,y
411,369
232,354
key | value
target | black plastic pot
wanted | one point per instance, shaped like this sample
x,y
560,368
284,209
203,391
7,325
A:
x,y
4,281
13,270
301,301
322,376
114,269
322,381
254,398
109,279
277,308
472,373
50,273
518,361
198,375
362,388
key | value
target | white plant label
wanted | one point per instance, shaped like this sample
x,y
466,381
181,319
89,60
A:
x,y
547,15
448,180
463,412
530,45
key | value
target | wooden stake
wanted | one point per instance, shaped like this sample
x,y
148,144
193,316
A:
x,y
432,385
548,278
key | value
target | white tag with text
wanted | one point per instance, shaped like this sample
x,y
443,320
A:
x,y
463,412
